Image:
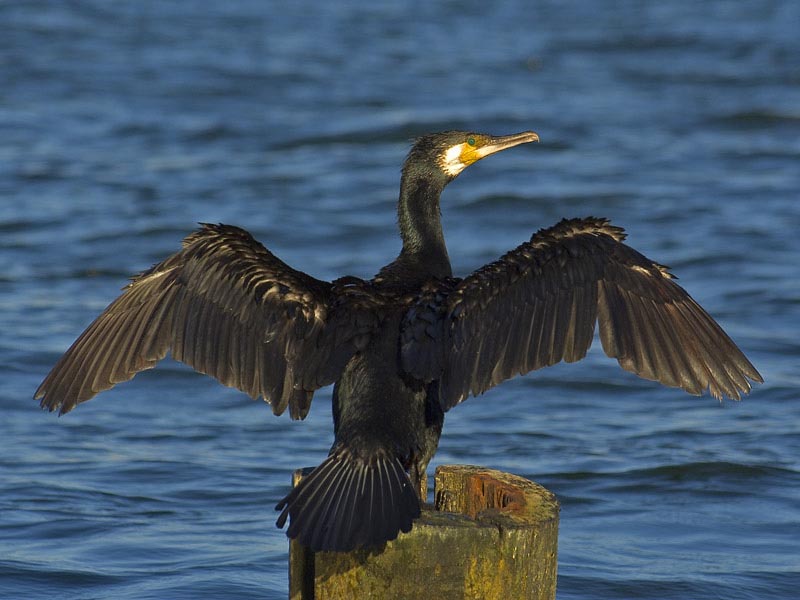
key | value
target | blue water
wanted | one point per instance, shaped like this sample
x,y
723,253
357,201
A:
x,y
124,123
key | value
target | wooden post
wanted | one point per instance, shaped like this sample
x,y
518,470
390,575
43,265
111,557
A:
x,y
490,535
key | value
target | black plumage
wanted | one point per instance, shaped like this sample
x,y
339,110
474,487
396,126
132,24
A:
x,y
402,348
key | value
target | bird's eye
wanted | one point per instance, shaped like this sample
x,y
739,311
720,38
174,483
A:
x,y
471,141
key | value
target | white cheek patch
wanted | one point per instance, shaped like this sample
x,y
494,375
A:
x,y
451,163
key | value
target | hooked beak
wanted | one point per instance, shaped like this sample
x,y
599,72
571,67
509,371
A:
x,y
502,142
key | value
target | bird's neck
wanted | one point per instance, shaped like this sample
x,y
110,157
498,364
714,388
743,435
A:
x,y
419,217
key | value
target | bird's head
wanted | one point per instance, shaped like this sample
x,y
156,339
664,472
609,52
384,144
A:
x,y
450,152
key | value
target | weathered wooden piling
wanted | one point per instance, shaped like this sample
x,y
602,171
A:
x,y
489,535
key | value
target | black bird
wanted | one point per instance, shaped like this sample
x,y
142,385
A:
x,y
402,348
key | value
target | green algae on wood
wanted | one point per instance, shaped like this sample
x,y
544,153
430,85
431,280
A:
x,y
488,535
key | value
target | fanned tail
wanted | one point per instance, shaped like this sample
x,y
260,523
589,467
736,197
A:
x,y
349,502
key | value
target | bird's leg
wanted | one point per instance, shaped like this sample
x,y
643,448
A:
x,y
419,479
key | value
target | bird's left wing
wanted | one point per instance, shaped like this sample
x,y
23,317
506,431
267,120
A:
x,y
538,305
227,307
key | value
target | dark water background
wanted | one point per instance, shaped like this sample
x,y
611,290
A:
x,y
124,123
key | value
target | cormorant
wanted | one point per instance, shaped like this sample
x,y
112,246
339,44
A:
x,y
402,348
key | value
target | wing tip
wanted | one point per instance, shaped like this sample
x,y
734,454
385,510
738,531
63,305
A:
x,y
49,404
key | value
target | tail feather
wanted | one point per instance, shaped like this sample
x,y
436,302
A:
x,y
339,514
349,502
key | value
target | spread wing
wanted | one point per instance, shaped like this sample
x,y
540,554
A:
x,y
538,305
229,308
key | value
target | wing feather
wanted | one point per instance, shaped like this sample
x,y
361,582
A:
x,y
229,308
538,305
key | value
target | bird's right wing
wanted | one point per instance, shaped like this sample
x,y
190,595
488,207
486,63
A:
x,y
229,308
538,305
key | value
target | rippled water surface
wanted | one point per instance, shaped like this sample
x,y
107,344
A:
x,y
122,124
